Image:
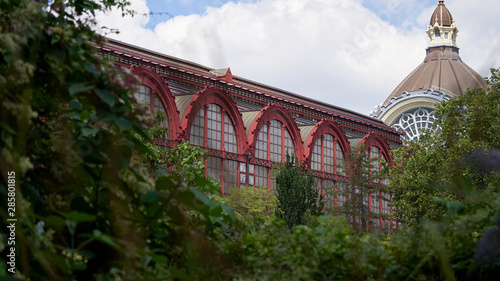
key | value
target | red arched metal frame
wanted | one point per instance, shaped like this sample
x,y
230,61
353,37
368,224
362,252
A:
x,y
158,86
277,112
326,126
217,96
375,139
384,205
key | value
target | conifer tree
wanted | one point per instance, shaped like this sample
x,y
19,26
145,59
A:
x,y
364,179
296,193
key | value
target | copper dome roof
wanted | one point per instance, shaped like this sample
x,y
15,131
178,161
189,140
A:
x,y
442,15
443,71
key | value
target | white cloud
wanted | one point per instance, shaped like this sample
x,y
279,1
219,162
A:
x,y
335,51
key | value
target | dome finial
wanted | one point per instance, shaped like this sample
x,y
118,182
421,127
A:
x,y
442,29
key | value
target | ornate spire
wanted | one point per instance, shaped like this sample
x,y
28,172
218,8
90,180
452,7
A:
x,y
442,29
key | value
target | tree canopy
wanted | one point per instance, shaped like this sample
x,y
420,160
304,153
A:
x,y
458,154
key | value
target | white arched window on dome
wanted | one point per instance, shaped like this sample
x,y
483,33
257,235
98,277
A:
x,y
415,122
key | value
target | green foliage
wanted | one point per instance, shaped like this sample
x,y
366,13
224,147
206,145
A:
x,y
449,157
86,211
187,160
470,122
416,175
296,194
254,206
69,129
465,246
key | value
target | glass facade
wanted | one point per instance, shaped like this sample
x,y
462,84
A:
x,y
212,128
144,94
273,142
327,158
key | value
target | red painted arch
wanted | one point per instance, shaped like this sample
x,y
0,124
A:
x,y
375,139
277,112
217,96
151,79
326,126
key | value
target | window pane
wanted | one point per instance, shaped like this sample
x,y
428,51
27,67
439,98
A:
x,y
261,176
289,147
230,174
214,125
214,167
316,156
340,160
275,145
197,135
329,154
143,93
261,145
229,135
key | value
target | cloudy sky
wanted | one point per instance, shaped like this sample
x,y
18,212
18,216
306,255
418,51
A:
x,y
350,53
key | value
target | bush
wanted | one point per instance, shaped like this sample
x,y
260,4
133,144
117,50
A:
x,y
254,206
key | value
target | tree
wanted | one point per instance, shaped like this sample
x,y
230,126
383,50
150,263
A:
x,y
423,170
364,182
69,128
296,194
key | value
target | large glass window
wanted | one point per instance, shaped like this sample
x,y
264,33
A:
x,y
144,94
380,199
327,155
414,122
273,141
275,138
213,128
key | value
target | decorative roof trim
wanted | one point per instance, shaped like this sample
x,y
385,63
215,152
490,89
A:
x,y
383,109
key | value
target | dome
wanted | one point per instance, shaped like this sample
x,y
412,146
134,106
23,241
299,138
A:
x,y
441,15
442,71
441,76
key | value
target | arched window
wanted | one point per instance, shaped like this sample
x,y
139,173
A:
x,y
415,121
327,160
143,94
437,34
212,128
327,155
380,200
273,143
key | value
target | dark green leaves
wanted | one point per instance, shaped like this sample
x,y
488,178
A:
x,y
79,87
106,96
